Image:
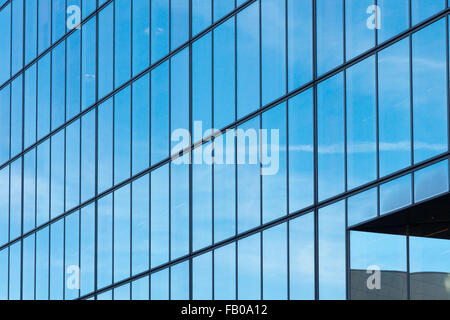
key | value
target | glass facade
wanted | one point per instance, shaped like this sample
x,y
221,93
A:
x,y
220,149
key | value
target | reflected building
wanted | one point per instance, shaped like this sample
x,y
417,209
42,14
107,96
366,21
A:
x,y
345,103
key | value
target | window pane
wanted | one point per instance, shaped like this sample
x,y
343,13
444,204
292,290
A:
x,y
201,198
301,151
140,124
429,89
275,263
422,9
395,194
300,42
29,191
248,64
225,273
249,178
73,165
394,108
140,289
159,284
28,261
363,206
122,228
301,258
431,181
395,18
122,41
330,47
225,188
387,255
87,258
430,268
179,205
104,242
42,264
331,137
105,145
361,124
273,160
249,268
72,256
359,38
224,74
140,225
332,283
57,274
273,37
159,232
160,113
202,277
179,281
122,135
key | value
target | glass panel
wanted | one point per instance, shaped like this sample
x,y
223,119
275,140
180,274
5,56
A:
x,y
201,199
394,18
57,274
202,277
224,74
361,124
394,108
28,261
140,289
275,263
179,281
141,35
301,258
249,178
42,264
72,255
140,124
395,194
225,273
429,89
301,151
273,158
106,50
140,224
331,137
87,258
179,18
332,280
300,42
104,242
248,64
179,205
88,156
225,188
159,29
378,266
160,285
330,34
431,181
430,269
273,45
249,268
363,206
122,229
122,41
359,36
122,135
422,9
159,232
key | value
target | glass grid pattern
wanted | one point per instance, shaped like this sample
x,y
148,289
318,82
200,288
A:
x,y
89,174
